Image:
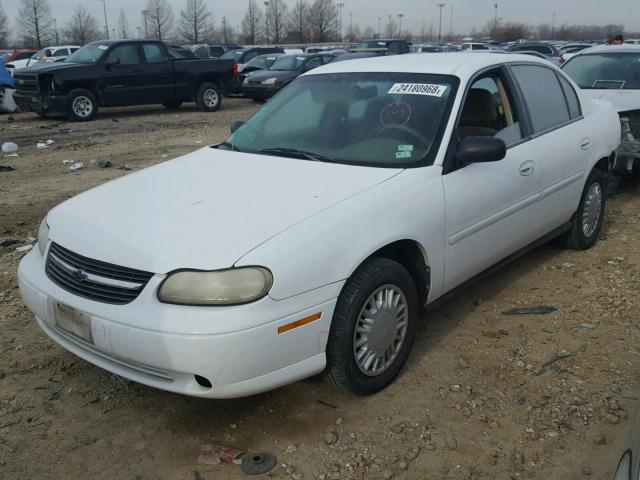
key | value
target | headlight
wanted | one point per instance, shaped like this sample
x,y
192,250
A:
x,y
222,287
269,81
43,236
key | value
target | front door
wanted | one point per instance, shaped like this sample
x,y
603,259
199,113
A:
x,y
123,76
490,207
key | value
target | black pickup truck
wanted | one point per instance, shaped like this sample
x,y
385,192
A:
x,y
117,73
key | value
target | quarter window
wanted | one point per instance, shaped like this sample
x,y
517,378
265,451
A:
x,y
572,98
544,96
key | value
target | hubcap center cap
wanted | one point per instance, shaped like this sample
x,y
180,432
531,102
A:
x,y
383,331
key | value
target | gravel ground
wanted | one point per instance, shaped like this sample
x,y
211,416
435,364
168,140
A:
x,y
484,395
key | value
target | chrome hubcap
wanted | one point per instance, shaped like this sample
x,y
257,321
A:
x,y
82,106
210,98
380,331
592,209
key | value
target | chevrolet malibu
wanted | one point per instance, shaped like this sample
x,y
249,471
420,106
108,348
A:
x,y
309,240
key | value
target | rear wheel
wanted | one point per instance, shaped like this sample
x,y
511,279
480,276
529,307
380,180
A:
x,y
81,105
208,97
373,327
587,221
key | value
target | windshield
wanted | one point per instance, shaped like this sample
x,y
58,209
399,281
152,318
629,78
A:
x,y
41,54
377,119
233,54
605,71
88,54
264,61
288,63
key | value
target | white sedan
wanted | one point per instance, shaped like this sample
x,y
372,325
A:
x,y
612,73
308,241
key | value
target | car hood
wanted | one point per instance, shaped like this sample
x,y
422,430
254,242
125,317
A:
x,y
45,67
622,100
204,210
282,75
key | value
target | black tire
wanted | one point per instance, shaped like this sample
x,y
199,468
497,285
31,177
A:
x,y
172,105
209,97
576,238
74,109
342,368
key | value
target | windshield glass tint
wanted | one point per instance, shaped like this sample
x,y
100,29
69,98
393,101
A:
x,y
605,71
88,54
379,119
287,62
262,62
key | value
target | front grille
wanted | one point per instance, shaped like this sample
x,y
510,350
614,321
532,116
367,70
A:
x,y
26,82
93,279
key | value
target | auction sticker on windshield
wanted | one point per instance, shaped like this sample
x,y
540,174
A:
x,y
428,89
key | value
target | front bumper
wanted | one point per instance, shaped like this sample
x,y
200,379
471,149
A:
x,y
42,104
238,349
260,92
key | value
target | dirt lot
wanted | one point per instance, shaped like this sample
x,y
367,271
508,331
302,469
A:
x,y
481,397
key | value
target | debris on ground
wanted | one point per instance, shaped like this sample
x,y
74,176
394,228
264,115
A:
x,y
542,310
587,325
105,164
125,167
24,248
68,162
254,464
9,147
45,144
6,168
76,166
211,454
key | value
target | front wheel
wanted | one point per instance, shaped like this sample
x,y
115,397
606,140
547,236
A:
x,y
208,97
82,105
373,327
587,221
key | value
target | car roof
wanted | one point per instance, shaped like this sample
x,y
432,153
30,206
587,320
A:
x,y
463,65
624,48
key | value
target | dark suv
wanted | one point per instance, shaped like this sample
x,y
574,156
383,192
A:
x,y
549,51
384,46
216,50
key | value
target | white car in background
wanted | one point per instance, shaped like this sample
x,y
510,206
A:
x,y
51,54
308,241
612,73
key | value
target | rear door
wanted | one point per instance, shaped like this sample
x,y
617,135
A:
x,y
157,74
562,144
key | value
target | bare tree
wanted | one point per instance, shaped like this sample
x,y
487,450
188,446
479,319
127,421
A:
x,y
323,20
4,28
195,21
35,22
226,30
83,27
298,20
277,20
506,31
391,28
368,33
160,18
123,24
251,23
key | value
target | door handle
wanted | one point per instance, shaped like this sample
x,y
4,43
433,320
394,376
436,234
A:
x,y
585,143
527,168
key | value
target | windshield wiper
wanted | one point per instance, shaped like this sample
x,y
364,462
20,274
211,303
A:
x,y
228,145
295,153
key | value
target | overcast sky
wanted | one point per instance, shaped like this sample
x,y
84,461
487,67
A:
x,y
467,13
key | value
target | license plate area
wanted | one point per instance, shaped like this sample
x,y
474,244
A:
x,y
73,321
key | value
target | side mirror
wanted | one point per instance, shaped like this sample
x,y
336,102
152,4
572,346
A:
x,y
480,150
236,125
110,62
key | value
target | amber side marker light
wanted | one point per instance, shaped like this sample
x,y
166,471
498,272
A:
x,y
299,323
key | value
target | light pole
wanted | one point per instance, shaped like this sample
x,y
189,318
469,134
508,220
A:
x,y
55,28
106,26
440,6
146,25
379,24
351,39
139,32
400,15
495,19
266,21
340,7
451,25
553,26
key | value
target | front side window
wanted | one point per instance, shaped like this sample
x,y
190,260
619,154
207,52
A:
x,y
378,119
125,55
489,111
288,63
605,71
544,96
62,52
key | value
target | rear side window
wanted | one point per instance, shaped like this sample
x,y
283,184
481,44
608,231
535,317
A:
x,y
216,51
572,98
153,53
544,96
63,52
